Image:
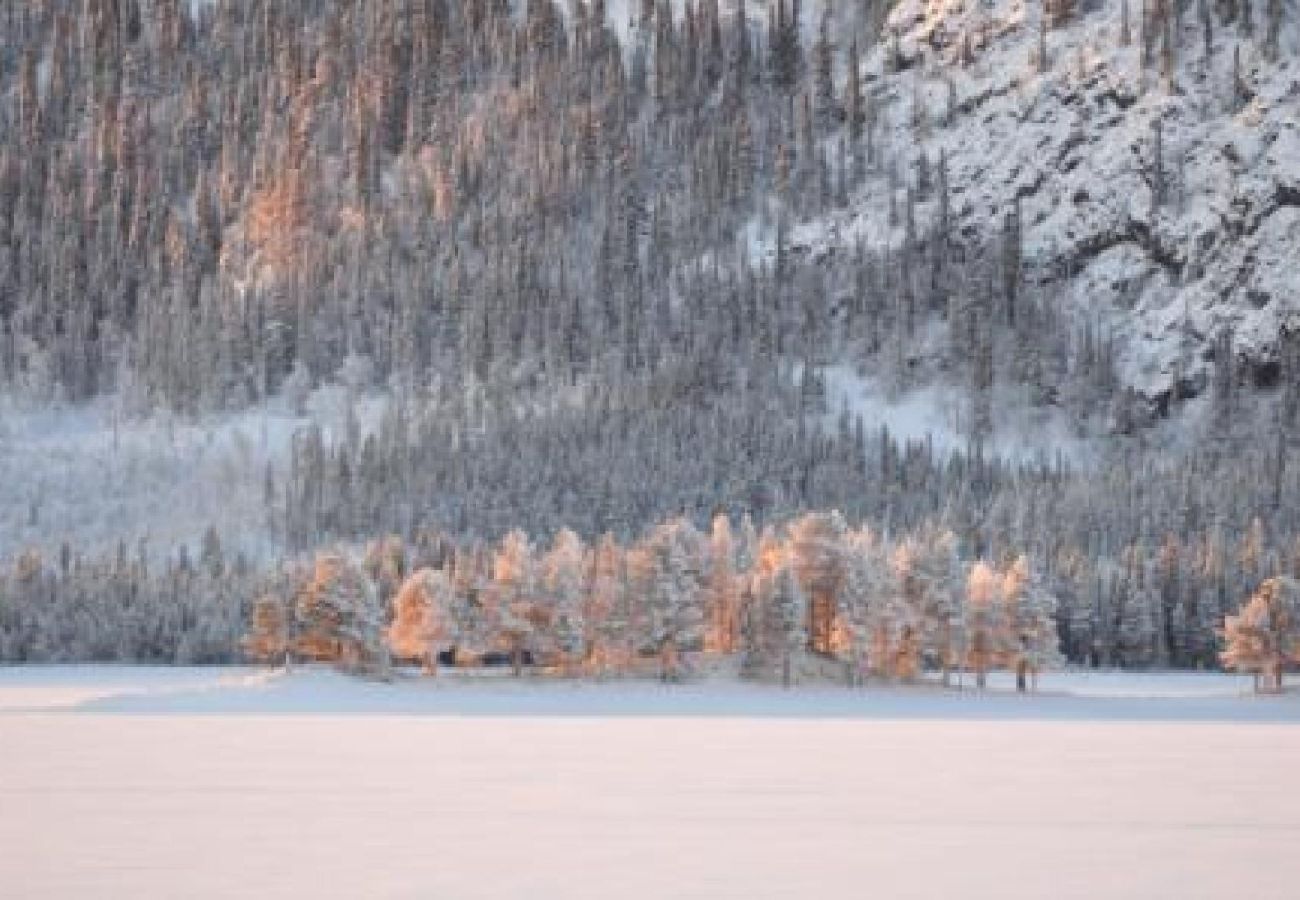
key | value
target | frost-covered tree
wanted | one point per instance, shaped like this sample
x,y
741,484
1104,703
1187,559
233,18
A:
x,y
668,568
986,627
609,615
563,583
775,626
1032,641
868,580
1137,632
929,572
340,618
1263,638
722,633
789,608
270,633
519,616
896,622
828,109
816,553
424,621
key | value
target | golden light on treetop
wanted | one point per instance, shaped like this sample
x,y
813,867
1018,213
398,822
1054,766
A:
x,y
1264,636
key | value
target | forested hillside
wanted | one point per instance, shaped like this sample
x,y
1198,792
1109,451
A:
x,y
569,265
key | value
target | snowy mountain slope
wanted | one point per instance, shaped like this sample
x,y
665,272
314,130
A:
x,y
1076,145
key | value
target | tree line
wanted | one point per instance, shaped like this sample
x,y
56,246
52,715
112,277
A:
x,y
879,604
884,608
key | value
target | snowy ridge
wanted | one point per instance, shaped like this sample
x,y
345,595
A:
x,y
1075,145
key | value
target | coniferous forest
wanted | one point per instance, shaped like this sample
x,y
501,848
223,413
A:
x,y
601,287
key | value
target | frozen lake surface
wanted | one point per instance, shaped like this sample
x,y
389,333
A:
x,y
133,782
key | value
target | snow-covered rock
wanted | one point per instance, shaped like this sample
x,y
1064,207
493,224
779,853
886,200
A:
x,y
1076,144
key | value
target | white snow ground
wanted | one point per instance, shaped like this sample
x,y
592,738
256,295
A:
x,y
137,782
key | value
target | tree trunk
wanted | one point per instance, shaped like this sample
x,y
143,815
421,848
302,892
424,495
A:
x,y
667,663
1022,672
945,656
516,657
981,679
785,670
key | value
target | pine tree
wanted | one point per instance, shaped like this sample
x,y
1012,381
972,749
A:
x,y
518,615
1030,616
1240,92
609,614
867,580
789,606
1158,188
1137,629
1167,49
785,55
1223,383
669,569
1207,34
932,577
1040,59
562,574
1272,29
854,102
896,623
827,105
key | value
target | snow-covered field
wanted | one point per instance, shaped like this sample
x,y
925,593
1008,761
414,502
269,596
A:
x,y
141,782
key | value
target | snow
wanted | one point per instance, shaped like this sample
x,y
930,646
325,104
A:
x,y
939,414
1076,144
539,790
234,690
50,688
